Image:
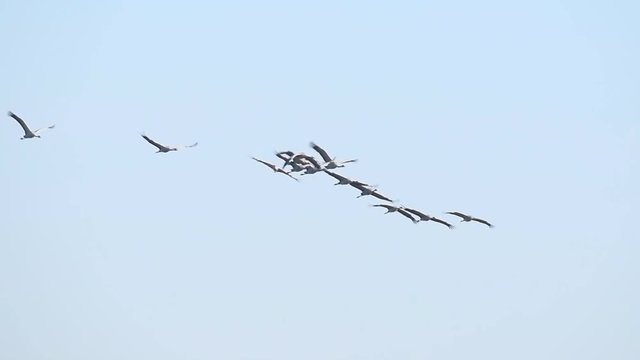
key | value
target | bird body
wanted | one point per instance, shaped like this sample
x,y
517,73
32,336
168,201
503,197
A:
x,y
307,162
467,218
424,217
165,148
398,209
28,134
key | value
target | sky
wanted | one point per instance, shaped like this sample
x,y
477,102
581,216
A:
x,y
523,113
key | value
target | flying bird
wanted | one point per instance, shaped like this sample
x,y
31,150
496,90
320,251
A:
x,y
275,168
400,210
309,163
164,148
364,191
329,162
286,155
343,180
300,158
28,134
467,218
424,217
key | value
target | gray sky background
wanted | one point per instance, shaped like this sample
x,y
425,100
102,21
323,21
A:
x,y
524,113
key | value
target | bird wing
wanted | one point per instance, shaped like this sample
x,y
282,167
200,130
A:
x,y
273,167
358,186
380,196
282,156
296,167
292,157
348,161
44,128
320,151
401,211
482,221
363,184
159,146
287,173
192,145
457,214
442,222
289,153
337,176
20,121
417,213
388,207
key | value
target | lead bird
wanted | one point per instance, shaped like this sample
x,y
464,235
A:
x,y
329,162
424,217
275,168
467,218
28,134
398,209
164,148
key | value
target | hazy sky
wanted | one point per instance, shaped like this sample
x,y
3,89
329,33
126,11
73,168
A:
x,y
523,113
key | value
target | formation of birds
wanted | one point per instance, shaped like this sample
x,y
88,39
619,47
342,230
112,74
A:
x,y
304,164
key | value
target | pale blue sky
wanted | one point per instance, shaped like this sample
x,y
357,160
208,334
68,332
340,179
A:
x,y
525,113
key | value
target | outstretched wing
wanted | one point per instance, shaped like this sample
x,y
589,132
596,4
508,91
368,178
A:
x,y
442,222
284,155
320,151
287,173
192,145
457,214
482,221
388,207
363,184
401,211
159,146
337,176
380,196
20,121
44,128
417,213
358,186
273,167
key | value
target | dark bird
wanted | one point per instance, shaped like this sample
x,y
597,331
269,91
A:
x,y
166,149
309,163
400,210
28,134
364,191
343,180
286,155
467,218
425,217
275,168
329,162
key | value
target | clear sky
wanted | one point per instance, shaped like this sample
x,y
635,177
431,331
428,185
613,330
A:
x,y
524,113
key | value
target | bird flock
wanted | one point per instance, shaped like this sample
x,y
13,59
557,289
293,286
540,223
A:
x,y
304,164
